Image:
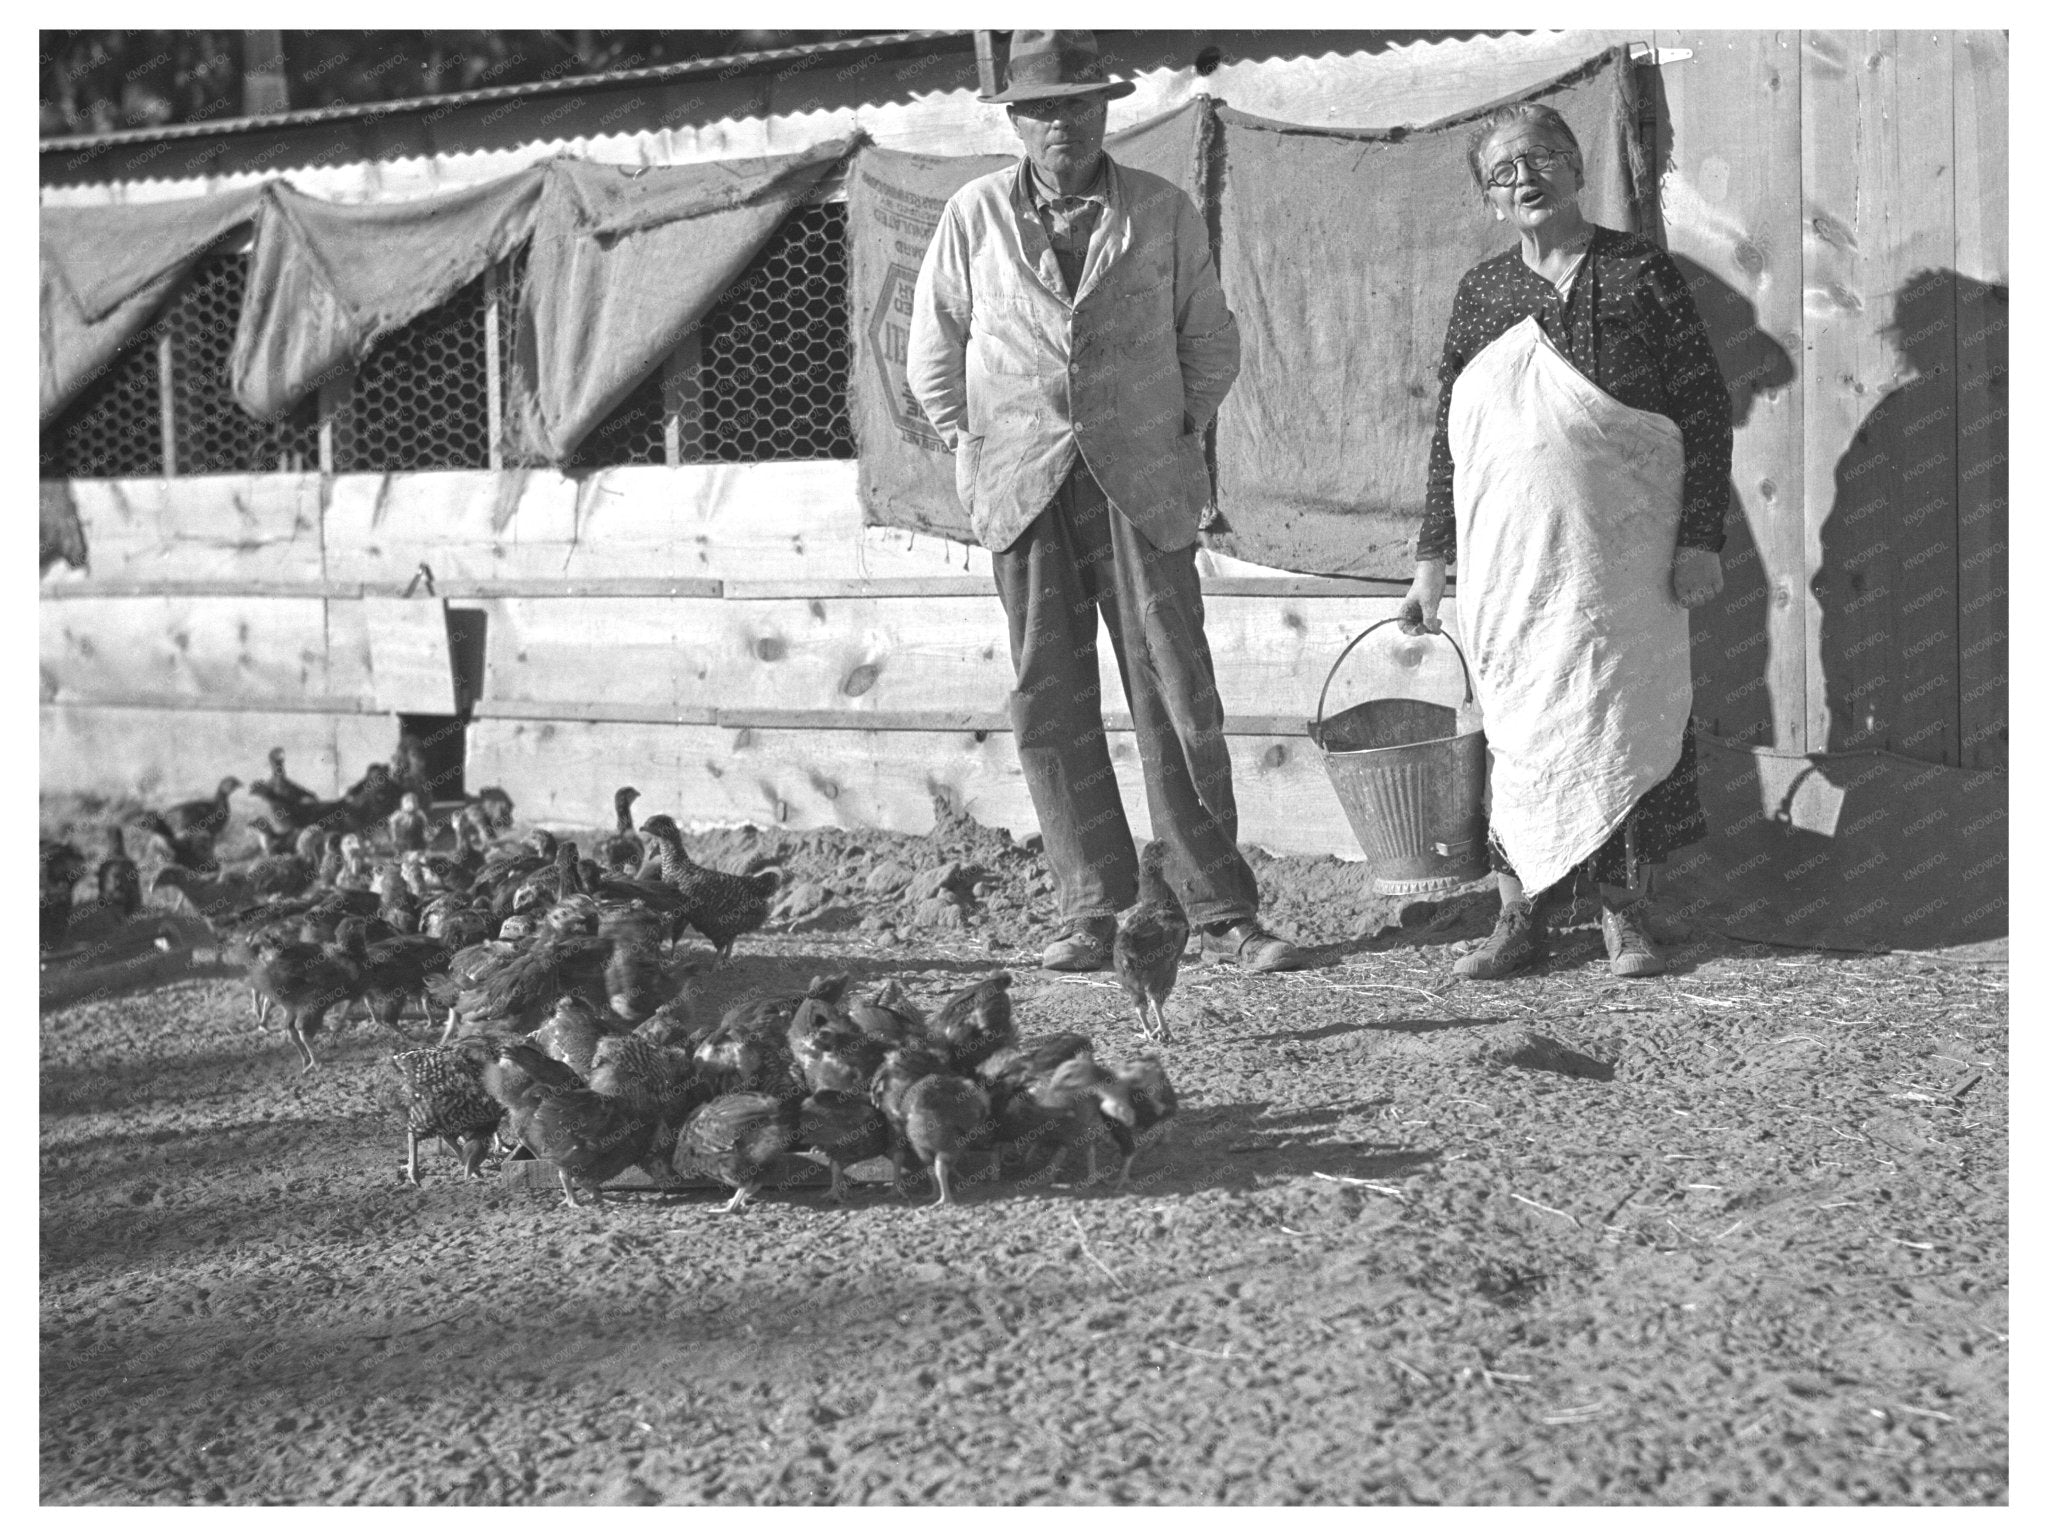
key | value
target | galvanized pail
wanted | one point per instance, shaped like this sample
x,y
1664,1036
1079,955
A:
x,y
1411,786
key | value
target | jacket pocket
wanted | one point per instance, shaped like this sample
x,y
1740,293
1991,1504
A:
x,y
966,461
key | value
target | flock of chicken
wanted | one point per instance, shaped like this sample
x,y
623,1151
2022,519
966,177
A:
x,y
562,983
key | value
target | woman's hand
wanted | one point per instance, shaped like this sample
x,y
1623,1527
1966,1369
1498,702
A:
x,y
1425,595
1695,577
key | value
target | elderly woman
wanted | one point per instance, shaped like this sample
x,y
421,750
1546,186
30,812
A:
x,y
1579,477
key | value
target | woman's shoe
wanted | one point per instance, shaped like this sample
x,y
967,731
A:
x,y
1519,939
1629,950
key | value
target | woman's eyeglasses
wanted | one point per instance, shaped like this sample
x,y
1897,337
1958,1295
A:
x,y
1541,161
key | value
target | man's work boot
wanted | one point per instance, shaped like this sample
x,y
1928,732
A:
x,y
1084,946
1251,944
1519,939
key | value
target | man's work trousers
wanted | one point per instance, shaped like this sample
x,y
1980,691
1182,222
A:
x,y
1077,556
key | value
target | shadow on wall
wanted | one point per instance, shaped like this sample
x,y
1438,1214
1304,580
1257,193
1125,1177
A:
x,y
1731,636
1908,606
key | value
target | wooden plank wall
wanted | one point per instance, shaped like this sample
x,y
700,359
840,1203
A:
x,y
1838,198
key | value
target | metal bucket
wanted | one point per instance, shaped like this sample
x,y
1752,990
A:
x,y
1411,786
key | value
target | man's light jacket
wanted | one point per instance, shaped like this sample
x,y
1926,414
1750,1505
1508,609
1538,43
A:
x,y
1019,379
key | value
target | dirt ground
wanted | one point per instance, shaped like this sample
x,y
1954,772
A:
x,y
1732,1235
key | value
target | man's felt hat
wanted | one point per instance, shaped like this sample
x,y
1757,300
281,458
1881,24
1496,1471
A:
x,y
1044,64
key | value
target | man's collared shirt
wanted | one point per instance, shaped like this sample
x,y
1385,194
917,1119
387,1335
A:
x,y
1069,219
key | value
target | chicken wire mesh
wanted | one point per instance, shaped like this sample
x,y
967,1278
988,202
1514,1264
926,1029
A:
x,y
421,400
764,378
765,375
776,352
115,427
211,434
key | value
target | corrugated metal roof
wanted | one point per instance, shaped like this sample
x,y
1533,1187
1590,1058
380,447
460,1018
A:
x,y
736,63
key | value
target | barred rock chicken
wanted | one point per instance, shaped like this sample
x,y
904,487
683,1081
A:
x,y
1152,1102
62,868
974,1023
1149,941
207,818
444,1096
589,1136
120,883
194,852
1046,1092
307,980
737,1137
408,825
723,907
623,851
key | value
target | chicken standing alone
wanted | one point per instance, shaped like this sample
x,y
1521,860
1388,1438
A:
x,y
723,907
307,980
1149,942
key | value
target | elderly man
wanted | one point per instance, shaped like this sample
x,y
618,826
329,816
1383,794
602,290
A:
x,y
1071,344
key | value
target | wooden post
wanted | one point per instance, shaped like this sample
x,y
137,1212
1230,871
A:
x,y
167,414
986,62
494,372
263,76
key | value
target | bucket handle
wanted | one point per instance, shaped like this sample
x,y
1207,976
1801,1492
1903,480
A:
x,y
1316,733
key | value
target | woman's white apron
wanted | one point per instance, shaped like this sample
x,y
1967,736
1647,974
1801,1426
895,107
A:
x,y
1567,504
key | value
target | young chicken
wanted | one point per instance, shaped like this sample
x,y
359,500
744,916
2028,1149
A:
x,y
62,868
397,970
588,1136
623,851
723,907
750,1047
943,1116
194,852
408,825
1044,1093
829,1050
1152,1101
1149,942
841,1129
120,883
273,841
888,1016
656,1080
737,1137
445,1097
307,980
279,784
206,818
974,1023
